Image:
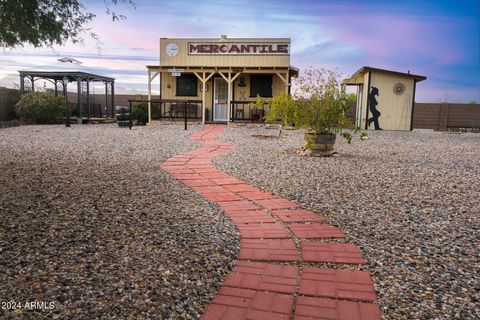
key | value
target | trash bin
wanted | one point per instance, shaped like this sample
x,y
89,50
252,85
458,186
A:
x,y
123,116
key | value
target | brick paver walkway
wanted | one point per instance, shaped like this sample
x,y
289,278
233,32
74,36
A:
x,y
270,280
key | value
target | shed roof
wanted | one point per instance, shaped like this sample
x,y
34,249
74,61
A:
x,y
357,77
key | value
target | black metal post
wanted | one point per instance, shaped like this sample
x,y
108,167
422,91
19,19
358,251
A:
x,y
185,113
130,118
22,84
113,97
88,100
79,101
161,103
68,113
106,101
67,116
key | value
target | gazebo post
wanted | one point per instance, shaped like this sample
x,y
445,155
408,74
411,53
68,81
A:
x,y
79,101
113,98
56,88
22,84
32,80
88,99
106,100
65,94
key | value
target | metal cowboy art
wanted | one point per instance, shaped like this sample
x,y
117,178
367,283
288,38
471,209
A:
x,y
372,102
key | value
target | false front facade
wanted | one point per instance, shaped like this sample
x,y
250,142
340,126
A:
x,y
218,80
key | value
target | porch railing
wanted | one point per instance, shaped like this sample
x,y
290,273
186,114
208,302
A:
x,y
163,109
247,111
176,109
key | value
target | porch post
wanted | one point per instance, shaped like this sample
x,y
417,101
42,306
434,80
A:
x,y
203,98
229,97
285,80
287,85
150,98
204,78
229,80
149,103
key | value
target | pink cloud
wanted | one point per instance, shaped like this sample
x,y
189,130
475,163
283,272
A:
x,y
391,37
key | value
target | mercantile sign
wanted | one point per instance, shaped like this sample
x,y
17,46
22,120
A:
x,y
232,48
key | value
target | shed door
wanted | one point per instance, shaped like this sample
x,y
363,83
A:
x,y
358,111
220,96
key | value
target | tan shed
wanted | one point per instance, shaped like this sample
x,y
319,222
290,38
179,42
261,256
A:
x,y
222,72
385,99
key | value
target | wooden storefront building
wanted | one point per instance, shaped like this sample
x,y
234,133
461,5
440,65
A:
x,y
205,76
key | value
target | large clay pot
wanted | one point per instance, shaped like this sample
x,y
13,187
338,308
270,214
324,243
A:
x,y
318,145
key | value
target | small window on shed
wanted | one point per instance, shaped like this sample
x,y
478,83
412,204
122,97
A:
x,y
261,84
187,85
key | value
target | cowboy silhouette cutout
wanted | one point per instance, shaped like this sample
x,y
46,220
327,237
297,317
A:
x,y
372,102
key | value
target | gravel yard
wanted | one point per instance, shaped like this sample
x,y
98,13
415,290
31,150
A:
x,y
409,200
91,223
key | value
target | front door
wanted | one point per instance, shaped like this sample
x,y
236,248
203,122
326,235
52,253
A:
x,y
220,96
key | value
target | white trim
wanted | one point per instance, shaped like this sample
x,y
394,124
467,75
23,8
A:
x,y
214,106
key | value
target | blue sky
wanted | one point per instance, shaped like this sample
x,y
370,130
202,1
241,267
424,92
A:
x,y
438,39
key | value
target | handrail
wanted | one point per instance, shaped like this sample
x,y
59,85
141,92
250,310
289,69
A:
x,y
247,111
173,108
192,109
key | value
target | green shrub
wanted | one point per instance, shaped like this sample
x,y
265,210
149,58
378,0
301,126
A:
x,y
41,107
320,107
140,112
282,108
13,96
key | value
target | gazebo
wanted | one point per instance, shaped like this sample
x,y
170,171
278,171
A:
x,y
68,70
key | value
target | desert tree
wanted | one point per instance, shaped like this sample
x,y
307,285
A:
x,y
44,23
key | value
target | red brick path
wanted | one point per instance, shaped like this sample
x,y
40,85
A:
x,y
277,237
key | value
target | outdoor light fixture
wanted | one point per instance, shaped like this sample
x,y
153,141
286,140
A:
x,y
67,118
241,82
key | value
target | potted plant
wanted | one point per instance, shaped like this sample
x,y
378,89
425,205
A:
x,y
320,107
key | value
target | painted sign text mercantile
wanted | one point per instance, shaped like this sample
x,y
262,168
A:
x,y
253,48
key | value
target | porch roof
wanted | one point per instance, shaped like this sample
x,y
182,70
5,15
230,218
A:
x,y
292,70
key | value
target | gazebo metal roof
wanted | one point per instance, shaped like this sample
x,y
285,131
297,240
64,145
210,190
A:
x,y
74,71
66,67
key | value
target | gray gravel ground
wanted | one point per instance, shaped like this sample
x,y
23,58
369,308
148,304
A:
x,y
409,200
91,223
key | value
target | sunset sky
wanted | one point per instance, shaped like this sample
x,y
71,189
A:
x,y
437,39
